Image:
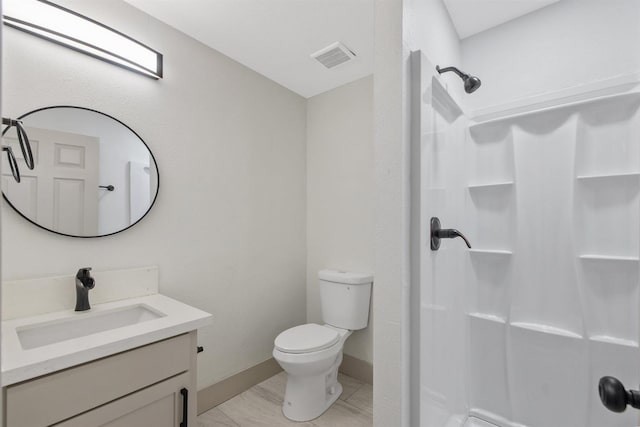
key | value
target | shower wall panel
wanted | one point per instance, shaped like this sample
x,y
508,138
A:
x,y
517,331
553,286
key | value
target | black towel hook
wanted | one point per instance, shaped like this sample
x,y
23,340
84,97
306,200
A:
x,y
13,164
23,139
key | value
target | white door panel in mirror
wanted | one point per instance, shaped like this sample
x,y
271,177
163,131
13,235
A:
x,y
94,175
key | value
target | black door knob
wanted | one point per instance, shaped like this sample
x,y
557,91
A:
x,y
615,397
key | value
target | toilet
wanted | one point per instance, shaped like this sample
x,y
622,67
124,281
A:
x,y
311,354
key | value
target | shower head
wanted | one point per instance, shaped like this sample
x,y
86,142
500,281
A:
x,y
471,83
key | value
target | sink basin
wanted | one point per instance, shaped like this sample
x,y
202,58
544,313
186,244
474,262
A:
x,y
49,342
81,324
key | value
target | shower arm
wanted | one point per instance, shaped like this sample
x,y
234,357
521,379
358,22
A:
x,y
454,69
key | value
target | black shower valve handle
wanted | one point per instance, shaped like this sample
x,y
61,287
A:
x,y
438,233
451,233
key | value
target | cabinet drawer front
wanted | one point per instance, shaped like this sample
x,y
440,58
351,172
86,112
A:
x,y
66,393
157,406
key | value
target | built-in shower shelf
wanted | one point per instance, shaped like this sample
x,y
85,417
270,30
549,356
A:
x,y
433,136
498,252
491,186
487,316
547,329
506,113
593,257
433,307
613,340
604,177
479,124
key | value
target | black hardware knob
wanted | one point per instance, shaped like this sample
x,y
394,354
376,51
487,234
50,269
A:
x,y
200,349
438,233
615,397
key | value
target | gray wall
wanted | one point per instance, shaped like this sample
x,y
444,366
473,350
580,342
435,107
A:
x,y
228,228
567,44
340,193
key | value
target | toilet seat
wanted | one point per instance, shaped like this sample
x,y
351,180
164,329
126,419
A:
x,y
306,339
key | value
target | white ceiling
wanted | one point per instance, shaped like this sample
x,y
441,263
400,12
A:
x,y
277,37
473,16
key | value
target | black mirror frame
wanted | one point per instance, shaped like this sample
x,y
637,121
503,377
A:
x,y
123,124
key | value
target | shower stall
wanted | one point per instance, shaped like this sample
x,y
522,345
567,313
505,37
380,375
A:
x,y
518,330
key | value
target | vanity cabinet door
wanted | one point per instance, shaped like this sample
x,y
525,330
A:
x,y
160,405
50,399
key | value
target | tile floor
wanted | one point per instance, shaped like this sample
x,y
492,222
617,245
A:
x,y
261,405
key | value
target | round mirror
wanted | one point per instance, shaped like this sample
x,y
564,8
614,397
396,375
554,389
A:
x,y
93,175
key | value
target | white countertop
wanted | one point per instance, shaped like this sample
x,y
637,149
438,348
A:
x,y
20,365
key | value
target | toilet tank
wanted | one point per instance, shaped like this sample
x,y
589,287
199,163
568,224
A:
x,y
345,298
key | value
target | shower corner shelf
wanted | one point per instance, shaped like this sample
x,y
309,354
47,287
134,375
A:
x,y
547,329
491,185
433,307
596,177
499,252
479,124
430,135
487,316
505,113
613,340
615,258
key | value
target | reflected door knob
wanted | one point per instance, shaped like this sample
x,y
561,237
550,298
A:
x,y
615,397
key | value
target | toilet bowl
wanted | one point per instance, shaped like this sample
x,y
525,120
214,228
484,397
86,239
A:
x,y
311,357
311,354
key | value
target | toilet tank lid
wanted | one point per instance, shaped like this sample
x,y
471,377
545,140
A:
x,y
346,277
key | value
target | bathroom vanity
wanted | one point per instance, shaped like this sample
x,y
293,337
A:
x,y
133,365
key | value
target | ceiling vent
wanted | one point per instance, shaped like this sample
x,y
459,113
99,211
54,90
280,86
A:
x,y
333,55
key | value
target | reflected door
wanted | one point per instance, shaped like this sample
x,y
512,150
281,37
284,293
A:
x,y
62,189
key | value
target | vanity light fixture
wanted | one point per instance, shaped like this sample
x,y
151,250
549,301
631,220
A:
x,y
55,23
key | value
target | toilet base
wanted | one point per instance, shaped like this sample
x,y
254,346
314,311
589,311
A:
x,y
312,380
307,398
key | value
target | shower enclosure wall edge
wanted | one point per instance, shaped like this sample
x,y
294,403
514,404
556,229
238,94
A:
x,y
416,231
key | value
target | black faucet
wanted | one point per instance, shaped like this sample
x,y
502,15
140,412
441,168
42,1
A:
x,y
84,282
